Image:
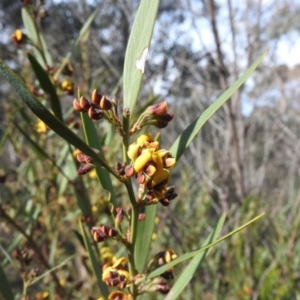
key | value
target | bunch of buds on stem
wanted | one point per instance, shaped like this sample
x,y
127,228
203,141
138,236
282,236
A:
x,y
156,285
24,256
151,166
155,115
86,162
103,232
100,107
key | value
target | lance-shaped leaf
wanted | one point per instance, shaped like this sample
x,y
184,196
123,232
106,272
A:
x,y
92,139
46,85
186,276
185,138
143,241
94,263
137,49
5,288
40,48
45,115
191,254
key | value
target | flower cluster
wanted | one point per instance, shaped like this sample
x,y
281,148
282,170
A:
x,y
86,162
116,274
103,232
155,115
151,166
100,107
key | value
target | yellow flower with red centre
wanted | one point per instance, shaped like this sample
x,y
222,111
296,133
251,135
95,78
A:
x,y
18,37
67,86
118,269
151,164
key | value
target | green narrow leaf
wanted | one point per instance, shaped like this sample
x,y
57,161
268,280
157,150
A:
x,y
86,26
45,115
185,138
5,288
30,25
144,236
95,265
186,276
40,48
191,254
82,32
92,139
138,45
46,85
46,52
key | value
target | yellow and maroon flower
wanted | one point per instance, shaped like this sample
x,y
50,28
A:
x,y
19,37
116,274
151,165
67,86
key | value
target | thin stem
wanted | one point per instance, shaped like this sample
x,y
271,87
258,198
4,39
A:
x,y
133,233
134,207
24,292
125,136
34,246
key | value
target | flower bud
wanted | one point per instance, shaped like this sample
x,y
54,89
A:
x,y
129,171
142,217
95,114
119,215
166,117
98,234
112,232
169,163
84,103
105,104
96,97
80,157
150,170
141,178
158,109
77,106
164,202
84,169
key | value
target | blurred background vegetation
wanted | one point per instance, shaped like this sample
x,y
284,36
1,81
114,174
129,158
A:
x,y
243,162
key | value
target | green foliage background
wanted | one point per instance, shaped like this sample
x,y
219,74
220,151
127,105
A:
x,y
41,191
